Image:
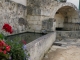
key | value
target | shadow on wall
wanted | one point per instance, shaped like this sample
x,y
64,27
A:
x,y
22,21
47,25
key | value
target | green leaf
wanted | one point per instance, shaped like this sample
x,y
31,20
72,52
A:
x,y
1,36
4,56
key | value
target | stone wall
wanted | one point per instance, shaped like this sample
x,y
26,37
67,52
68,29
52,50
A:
x,y
66,15
59,20
37,16
14,14
40,11
62,35
72,26
23,2
40,46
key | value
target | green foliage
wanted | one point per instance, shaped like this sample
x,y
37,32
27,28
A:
x,y
1,36
4,57
17,52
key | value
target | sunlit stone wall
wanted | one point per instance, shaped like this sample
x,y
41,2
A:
x,y
41,12
14,14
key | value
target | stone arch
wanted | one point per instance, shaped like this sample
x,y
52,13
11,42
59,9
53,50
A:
x,y
66,15
60,5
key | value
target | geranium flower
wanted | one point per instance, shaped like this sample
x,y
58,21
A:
x,y
24,42
2,43
8,48
1,50
7,28
4,47
4,51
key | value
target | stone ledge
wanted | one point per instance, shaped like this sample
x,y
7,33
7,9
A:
x,y
38,47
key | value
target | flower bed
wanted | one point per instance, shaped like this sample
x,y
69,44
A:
x,y
12,49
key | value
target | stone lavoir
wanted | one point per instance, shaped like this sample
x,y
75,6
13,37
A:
x,y
44,17
39,16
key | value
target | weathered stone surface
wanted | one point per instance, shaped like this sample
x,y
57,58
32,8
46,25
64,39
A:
x,y
35,13
38,47
42,10
62,53
68,36
10,12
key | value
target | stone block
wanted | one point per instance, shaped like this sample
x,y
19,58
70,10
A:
x,y
37,31
45,12
36,11
39,22
37,27
33,17
40,46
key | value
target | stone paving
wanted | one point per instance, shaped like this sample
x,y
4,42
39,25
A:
x,y
68,53
65,51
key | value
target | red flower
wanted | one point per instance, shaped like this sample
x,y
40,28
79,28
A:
x,y
2,43
8,48
7,28
0,50
4,47
24,42
4,51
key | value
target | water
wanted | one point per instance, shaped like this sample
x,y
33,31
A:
x,y
28,37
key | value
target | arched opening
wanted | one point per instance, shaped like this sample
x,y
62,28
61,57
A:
x,y
67,18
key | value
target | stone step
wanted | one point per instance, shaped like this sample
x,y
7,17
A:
x,y
67,34
67,42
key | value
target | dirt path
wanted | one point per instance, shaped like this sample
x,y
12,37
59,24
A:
x,y
63,53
